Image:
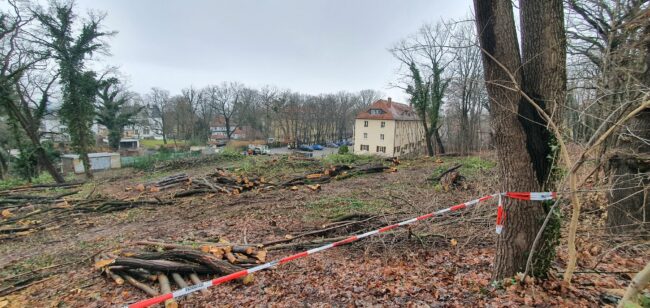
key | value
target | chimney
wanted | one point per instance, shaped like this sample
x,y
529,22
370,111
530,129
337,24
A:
x,y
390,100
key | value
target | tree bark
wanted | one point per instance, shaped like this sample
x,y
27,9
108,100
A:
x,y
441,148
544,77
428,136
502,63
629,208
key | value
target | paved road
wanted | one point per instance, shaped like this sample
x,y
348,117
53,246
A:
x,y
324,152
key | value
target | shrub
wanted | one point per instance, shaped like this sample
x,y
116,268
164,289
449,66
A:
x,y
344,149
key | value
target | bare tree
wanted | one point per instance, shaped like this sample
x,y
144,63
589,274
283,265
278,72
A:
x,y
159,98
225,101
466,88
425,57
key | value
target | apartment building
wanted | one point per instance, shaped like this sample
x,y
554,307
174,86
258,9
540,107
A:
x,y
389,129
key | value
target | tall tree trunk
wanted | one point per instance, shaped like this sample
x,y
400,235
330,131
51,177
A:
x,y
441,148
629,208
428,135
465,132
3,165
544,68
46,163
520,162
32,134
544,77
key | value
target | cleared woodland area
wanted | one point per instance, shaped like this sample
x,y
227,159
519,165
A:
x,y
446,261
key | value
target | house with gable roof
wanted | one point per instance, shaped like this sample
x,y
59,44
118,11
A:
x,y
389,129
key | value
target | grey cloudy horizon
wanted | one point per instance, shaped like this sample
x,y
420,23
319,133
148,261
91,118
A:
x,y
312,47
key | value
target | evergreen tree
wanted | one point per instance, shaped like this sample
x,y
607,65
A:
x,y
113,111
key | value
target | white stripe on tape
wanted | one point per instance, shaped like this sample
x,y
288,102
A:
x,y
317,249
190,289
541,196
406,222
262,267
367,234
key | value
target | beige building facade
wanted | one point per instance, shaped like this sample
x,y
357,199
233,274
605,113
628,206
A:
x,y
390,129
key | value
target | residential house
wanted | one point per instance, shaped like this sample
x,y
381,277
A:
x,y
389,129
53,130
148,124
218,131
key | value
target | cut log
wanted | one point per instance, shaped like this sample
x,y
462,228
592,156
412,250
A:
x,y
243,249
142,274
145,288
196,280
118,280
165,288
231,257
178,279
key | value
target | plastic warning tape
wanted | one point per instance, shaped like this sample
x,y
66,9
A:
x,y
242,273
533,196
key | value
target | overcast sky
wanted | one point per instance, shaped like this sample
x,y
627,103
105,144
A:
x,y
311,46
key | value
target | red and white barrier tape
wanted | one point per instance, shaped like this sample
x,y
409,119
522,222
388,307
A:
x,y
537,196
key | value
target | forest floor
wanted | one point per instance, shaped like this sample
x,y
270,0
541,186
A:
x,y
445,261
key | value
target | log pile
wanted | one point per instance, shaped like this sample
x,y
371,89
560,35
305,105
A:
x,y
338,172
163,183
222,181
150,271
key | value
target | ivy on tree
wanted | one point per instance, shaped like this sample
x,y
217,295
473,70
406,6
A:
x,y
71,49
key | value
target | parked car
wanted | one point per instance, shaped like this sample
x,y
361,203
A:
x,y
305,147
332,145
259,149
317,147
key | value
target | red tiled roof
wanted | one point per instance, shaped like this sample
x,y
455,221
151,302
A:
x,y
391,111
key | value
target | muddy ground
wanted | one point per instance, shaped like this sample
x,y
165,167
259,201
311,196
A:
x,y
443,262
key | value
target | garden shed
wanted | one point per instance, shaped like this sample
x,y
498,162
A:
x,y
98,161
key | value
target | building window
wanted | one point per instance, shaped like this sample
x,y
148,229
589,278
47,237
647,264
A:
x,y
376,111
381,136
383,124
381,149
365,123
396,149
365,147
365,135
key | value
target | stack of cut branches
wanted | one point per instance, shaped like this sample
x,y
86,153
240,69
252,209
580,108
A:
x,y
224,182
182,263
167,182
24,214
337,172
39,187
221,181
241,255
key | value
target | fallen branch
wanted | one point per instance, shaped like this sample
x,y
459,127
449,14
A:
x,y
437,178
